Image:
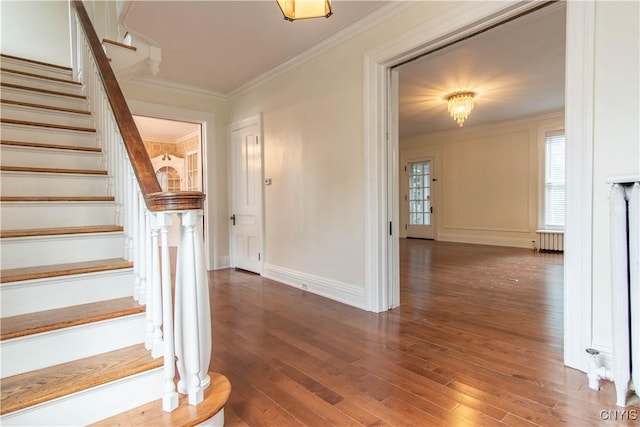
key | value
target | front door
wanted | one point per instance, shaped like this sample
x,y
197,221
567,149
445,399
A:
x,y
419,198
246,196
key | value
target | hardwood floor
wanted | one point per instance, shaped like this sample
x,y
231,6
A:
x,y
477,341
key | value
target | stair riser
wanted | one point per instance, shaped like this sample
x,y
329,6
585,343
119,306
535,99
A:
x,y
18,112
30,296
89,406
50,184
28,67
18,79
34,251
45,158
25,354
43,98
29,215
12,132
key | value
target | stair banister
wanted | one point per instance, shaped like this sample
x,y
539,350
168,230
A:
x,y
144,211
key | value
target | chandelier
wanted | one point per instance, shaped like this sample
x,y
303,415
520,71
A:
x,y
303,9
460,105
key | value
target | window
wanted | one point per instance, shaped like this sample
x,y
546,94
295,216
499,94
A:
x,y
554,181
193,181
169,179
420,193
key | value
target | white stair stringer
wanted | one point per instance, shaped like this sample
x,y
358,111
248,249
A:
x,y
36,157
19,252
89,406
28,353
37,97
36,68
18,183
40,83
46,115
20,132
30,296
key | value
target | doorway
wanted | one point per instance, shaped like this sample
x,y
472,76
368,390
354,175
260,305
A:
x,y
175,150
381,152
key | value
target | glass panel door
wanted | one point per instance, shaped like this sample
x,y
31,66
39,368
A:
x,y
420,210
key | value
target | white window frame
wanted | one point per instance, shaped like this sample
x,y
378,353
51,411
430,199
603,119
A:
x,y
543,132
198,177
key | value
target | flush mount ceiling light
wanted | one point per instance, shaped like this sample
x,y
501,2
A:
x,y
460,105
303,9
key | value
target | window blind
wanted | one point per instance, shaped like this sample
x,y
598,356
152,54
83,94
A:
x,y
554,180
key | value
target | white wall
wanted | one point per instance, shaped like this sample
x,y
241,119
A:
x,y
314,154
616,148
37,30
488,180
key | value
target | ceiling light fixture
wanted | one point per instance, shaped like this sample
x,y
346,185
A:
x,y
460,105
303,9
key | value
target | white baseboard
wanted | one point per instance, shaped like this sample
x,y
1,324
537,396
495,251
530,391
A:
x,y
338,291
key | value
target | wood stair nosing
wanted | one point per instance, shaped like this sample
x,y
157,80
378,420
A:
x,y
185,415
58,270
52,170
45,107
47,125
45,91
51,146
40,232
115,43
40,76
32,61
36,387
8,199
50,320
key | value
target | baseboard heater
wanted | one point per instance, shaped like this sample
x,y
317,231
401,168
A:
x,y
550,240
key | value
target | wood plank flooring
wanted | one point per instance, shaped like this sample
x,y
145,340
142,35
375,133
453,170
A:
x,y
477,341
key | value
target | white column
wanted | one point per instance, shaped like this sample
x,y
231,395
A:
x,y
634,282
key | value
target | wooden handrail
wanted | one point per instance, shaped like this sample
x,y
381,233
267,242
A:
x,y
155,199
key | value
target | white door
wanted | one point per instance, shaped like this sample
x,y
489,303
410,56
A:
x,y
419,199
246,195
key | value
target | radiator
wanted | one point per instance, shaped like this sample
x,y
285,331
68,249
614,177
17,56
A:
x,y
625,286
550,240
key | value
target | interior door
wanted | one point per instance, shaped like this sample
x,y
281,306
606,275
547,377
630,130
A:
x,y
246,196
420,223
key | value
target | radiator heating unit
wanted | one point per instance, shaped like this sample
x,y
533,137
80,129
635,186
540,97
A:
x,y
550,240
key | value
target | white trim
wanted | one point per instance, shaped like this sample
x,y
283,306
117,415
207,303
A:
x,y
624,179
370,20
338,291
208,147
579,112
187,89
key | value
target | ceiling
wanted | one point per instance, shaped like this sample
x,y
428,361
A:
x,y
516,69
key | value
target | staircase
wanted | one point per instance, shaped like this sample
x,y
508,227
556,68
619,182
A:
x,y
71,335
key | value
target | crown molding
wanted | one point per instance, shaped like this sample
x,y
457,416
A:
x,y
187,89
372,19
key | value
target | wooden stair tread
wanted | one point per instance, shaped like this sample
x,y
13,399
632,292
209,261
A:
x,y
32,61
32,388
33,232
59,318
57,270
46,91
39,76
52,170
47,125
151,414
57,198
52,146
45,107
115,43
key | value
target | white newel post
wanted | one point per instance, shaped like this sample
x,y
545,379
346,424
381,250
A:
x,y
193,321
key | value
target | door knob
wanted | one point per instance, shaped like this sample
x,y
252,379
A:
x,y
233,219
